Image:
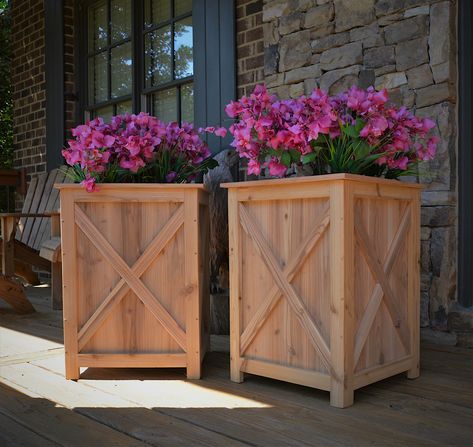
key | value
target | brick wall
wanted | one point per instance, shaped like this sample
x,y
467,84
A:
x,y
28,85
69,74
250,51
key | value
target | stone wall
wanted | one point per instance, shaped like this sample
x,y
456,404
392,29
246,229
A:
x,y
28,85
407,46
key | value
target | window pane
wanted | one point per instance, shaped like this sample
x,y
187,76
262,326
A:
x,y
187,103
158,57
182,6
98,74
121,19
104,112
121,66
124,107
165,105
97,24
157,11
184,65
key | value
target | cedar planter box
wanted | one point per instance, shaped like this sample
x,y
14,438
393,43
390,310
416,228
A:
x,y
324,281
135,276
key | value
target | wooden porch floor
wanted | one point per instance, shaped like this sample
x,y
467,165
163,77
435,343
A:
x,y
38,407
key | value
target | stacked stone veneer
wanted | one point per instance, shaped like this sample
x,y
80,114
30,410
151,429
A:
x,y
407,46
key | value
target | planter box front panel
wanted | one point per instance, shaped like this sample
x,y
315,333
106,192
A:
x,y
284,226
324,281
135,276
130,228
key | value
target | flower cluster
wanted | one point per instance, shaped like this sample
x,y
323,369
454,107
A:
x,y
356,131
137,148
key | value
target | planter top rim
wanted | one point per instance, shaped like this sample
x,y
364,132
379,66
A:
x,y
321,178
109,186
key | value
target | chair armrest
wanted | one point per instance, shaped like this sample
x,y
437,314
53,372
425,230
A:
x,y
20,215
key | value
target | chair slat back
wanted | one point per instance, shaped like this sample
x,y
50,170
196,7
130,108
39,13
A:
x,y
41,197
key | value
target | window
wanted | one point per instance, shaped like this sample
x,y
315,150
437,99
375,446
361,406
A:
x,y
172,58
160,41
109,58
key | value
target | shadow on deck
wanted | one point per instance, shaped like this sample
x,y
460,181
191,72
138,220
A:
x,y
159,407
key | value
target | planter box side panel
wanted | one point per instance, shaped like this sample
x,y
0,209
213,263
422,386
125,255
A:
x,y
204,230
284,271
132,231
381,301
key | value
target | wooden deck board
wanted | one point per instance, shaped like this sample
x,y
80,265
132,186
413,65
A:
x,y
161,408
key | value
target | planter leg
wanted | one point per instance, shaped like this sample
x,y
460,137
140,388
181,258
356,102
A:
x,y
340,396
236,375
193,372
72,373
414,372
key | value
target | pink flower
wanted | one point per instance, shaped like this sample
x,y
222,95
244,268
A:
x,y
89,184
254,167
221,132
276,169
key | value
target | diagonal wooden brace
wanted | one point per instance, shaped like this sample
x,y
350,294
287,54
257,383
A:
x,y
130,277
254,232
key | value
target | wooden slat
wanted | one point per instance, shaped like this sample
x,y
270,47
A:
x,y
235,286
38,222
143,293
341,253
376,268
27,205
121,289
69,286
289,374
51,249
35,201
133,360
372,307
413,288
380,372
192,284
294,300
52,205
294,265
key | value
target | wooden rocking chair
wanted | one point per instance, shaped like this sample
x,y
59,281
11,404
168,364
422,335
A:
x,y
32,239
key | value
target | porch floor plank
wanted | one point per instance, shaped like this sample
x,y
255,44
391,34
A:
x,y
161,408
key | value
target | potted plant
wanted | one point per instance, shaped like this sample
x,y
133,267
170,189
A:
x,y
324,266
134,245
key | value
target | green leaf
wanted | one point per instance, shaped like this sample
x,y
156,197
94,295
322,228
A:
x,y
295,155
350,131
309,158
286,159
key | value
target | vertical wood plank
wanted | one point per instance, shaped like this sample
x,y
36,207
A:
x,y
191,283
56,267
413,285
69,273
8,246
342,292
234,270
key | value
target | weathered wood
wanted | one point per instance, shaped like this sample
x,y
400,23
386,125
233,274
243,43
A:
x,y
160,408
350,295
134,277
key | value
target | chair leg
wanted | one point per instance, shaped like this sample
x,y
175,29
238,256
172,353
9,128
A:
x,y
56,285
14,294
26,272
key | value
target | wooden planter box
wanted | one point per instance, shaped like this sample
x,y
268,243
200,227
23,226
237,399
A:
x,y
135,276
324,281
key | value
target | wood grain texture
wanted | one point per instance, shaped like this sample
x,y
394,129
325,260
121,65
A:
x,y
324,281
138,267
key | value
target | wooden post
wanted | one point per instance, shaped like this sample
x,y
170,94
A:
x,y
191,284
8,247
69,287
56,267
235,315
342,293
413,316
